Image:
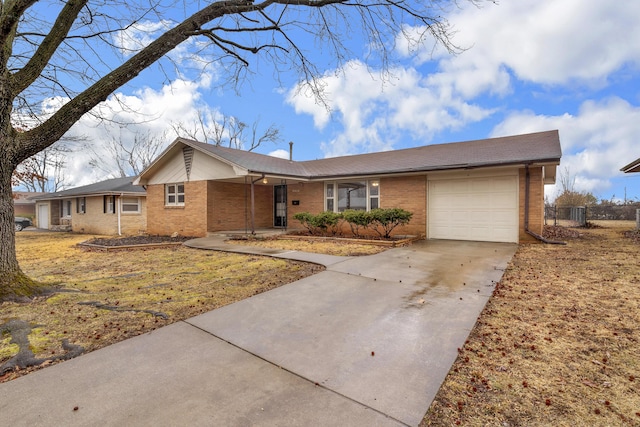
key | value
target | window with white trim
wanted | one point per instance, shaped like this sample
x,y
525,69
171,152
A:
x,y
109,204
174,194
66,208
81,205
130,204
360,195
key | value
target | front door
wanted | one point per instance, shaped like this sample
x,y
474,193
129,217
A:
x,y
280,206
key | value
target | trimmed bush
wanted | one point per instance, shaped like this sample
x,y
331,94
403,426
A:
x,y
306,219
321,224
385,220
382,221
357,220
327,222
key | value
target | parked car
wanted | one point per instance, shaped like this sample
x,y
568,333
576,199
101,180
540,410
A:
x,y
22,223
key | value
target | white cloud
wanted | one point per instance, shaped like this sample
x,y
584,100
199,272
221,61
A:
x,y
280,153
374,113
139,35
552,42
123,117
596,143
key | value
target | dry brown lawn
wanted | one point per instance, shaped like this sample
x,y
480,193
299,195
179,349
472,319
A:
x,y
328,247
174,282
558,344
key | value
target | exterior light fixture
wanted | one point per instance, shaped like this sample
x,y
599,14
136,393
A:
x,y
264,180
375,183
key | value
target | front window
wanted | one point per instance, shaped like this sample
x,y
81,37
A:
x,y
354,194
81,205
66,208
174,194
130,205
109,204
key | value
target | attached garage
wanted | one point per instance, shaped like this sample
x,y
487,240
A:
x,y
475,207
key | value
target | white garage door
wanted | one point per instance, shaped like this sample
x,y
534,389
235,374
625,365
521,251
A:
x,y
474,208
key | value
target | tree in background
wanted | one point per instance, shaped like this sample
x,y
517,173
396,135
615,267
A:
x,y
59,60
44,171
228,131
127,158
569,196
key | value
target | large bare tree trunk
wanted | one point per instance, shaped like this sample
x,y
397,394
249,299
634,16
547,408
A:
x,y
13,282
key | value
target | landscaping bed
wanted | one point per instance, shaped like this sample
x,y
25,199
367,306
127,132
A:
x,y
133,242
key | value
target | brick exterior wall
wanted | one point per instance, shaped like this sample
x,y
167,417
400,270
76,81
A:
x,y
311,198
209,206
217,206
95,221
187,220
536,203
229,206
408,193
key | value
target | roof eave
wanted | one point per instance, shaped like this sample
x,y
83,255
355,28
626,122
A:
x,y
632,167
461,166
97,194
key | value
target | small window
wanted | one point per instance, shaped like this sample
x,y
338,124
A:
x,y
174,194
329,197
66,208
130,205
81,205
109,204
374,194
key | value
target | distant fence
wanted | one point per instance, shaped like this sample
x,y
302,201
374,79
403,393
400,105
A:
x,y
579,215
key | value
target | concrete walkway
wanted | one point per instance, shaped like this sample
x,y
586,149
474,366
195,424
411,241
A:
x,y
367,342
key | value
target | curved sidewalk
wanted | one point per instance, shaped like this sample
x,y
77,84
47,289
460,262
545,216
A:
x,y
366,342
217,243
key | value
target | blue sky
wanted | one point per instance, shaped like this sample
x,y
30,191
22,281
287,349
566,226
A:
x,y
528,66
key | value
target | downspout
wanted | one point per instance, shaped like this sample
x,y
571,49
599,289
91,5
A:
x,y
118,206
527,182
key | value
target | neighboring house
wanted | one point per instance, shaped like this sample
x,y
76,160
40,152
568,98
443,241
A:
x,y
23,203
632,167
485,190
114,206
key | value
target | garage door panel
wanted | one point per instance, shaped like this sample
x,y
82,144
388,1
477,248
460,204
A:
x,y
480,208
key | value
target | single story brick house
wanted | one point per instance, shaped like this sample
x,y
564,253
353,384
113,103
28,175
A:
x,y
111,207
483,190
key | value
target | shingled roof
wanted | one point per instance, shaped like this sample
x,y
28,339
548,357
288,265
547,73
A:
x,y
115,186
541,147
632,167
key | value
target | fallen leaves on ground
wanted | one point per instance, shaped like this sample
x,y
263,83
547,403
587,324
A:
x,y
558,342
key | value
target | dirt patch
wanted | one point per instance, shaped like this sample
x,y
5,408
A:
x,y
633,235
557,343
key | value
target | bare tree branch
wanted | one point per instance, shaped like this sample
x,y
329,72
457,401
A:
x,y
23,78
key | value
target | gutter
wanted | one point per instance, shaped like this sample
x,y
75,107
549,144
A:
x,y
526,212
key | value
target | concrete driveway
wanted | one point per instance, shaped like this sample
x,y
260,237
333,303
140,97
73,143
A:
x,y
366,342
